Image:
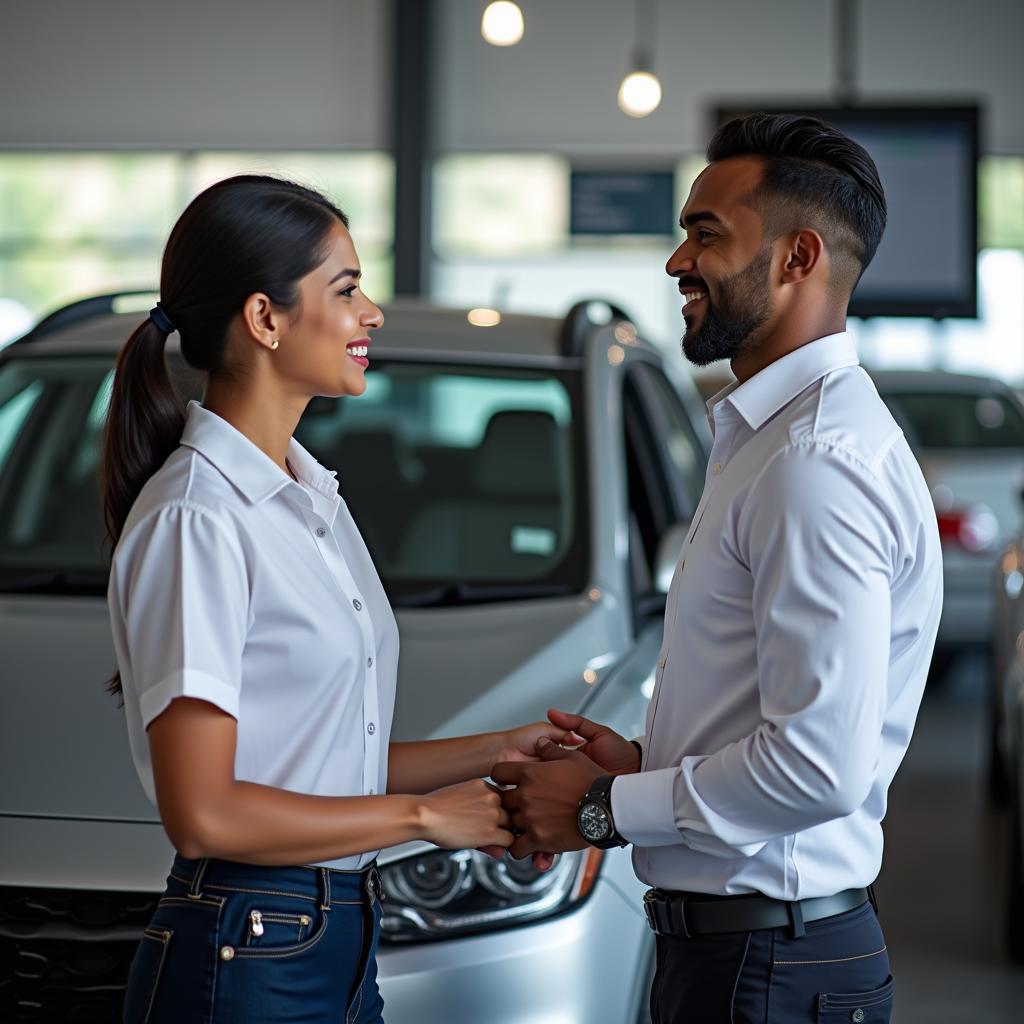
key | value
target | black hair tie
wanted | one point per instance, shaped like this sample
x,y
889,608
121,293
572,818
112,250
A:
x,y
159,316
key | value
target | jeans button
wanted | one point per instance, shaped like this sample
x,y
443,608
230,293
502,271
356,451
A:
x,y
857,1016
227,953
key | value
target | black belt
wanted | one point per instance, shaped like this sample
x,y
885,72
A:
x,y
690,914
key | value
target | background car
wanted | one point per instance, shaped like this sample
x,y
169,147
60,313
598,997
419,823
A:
x,y
968,435
523,488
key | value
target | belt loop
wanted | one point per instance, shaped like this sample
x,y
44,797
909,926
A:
x,y
195,891
796,919
325,888
873,899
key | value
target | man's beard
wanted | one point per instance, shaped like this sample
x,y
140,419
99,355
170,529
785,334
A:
x,y
743,306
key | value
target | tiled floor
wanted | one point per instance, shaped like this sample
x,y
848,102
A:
x,y
942,888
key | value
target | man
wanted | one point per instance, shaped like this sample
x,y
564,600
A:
x,y
799,625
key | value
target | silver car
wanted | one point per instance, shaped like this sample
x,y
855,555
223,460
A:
x,y
968,435
522,487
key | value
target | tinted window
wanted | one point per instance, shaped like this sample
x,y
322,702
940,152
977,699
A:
x,y
464,481
952,420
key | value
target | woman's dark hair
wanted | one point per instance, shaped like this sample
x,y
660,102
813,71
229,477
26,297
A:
x,y
814,176
242,235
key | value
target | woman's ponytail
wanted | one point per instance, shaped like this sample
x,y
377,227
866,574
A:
x,y
144,424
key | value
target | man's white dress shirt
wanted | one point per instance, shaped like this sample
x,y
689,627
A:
x,y
798,633
234,584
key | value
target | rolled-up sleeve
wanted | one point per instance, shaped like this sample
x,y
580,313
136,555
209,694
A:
x,y
184,595
821,548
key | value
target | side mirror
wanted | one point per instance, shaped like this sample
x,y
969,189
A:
x,y
667,556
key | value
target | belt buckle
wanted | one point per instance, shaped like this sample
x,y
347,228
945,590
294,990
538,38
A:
x,y
666,914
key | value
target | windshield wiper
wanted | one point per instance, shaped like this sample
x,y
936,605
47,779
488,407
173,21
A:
x,y
448,595
28,581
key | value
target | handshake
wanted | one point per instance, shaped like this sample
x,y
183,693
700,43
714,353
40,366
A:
x,y
541,772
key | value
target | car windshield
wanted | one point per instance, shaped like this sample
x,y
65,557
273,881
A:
x,y
957,419
464,480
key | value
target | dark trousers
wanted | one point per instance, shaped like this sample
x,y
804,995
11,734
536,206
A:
x,y
838,971
239,943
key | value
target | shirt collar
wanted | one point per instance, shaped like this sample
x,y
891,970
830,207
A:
x,y
248,468
770,389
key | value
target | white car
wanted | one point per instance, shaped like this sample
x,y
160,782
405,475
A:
x,y
522,488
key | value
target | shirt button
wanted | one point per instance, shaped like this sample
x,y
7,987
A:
x,y
661,663
369,662
716,468
357,604
321,532
371,728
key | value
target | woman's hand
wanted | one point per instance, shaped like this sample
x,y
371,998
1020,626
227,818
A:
x,y
614,753
520,744
465,816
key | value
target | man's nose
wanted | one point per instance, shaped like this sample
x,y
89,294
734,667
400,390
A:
x,y
680,263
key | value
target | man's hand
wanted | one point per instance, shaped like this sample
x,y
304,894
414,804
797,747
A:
x,y
543,805
614,753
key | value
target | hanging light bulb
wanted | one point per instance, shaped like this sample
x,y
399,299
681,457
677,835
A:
x,y
640,93
502,23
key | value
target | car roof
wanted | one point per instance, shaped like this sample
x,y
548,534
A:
x,y
936,381
412,327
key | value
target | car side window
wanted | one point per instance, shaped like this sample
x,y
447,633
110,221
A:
x,y
651,508
681,450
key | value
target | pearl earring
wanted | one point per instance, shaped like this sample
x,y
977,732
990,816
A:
x,y
273,347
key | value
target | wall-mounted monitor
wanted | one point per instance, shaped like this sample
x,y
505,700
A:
x,y
927,157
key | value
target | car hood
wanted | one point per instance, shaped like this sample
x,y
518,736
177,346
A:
x,y
64,747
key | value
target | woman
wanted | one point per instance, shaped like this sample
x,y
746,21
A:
x,y
256,648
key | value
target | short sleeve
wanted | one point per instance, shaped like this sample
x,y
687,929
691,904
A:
x,y
182,590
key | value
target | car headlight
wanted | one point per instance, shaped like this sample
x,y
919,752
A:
x,y
449,893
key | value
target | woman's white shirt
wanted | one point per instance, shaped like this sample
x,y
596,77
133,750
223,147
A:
x,y
233,584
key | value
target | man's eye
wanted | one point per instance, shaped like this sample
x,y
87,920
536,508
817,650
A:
x,y
703,235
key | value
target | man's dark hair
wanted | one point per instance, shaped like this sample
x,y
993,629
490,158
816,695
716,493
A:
x,y
814,177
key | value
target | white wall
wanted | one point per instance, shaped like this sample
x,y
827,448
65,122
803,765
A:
x,y
556,90
290,74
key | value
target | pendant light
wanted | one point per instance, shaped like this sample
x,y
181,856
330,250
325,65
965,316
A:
x,y
640,91
502,23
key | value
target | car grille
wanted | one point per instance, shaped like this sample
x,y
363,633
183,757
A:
x,y
65,953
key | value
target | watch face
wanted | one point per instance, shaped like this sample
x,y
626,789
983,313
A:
x,y
594,822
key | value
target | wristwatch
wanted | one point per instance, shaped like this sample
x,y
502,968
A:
x,y
594,817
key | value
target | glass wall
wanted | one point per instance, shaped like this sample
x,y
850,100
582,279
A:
x,y
74,224
501,237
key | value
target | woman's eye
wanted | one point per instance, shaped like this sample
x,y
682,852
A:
x,y
348,292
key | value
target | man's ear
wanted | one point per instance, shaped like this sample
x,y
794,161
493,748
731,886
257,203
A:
x,y
805,253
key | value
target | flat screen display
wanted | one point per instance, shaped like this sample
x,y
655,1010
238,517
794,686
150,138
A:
x,y
927,157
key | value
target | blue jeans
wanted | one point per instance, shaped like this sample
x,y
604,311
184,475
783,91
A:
x,y
240,943
837,972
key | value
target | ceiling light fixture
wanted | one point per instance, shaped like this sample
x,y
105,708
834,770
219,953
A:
x,y
502,23
640,91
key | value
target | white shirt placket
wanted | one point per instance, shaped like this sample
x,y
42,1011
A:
x,y
327,545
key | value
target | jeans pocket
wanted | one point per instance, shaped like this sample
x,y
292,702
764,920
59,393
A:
x,y
147,967
873,1007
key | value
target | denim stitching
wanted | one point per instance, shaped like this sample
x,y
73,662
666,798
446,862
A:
x,y
216,963
260,954
164,937
279,892
840,960
350,1014
211,901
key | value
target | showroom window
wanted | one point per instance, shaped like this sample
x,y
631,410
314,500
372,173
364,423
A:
x,y
74,224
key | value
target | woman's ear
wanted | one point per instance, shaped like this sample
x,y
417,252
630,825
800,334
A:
x,y
263,323
804,255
